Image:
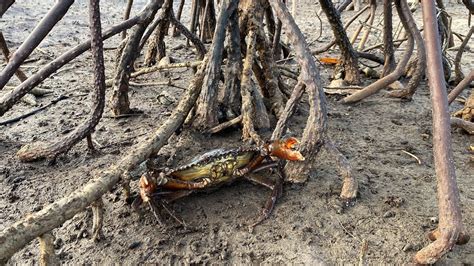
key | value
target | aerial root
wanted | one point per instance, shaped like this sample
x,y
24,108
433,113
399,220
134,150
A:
x,y
349,183
290,109
316,124
467,112
51,150
464,83
19,234
457,60
450,228
390,78
97,219
365,36
47,255
248,110
419,71
444,241
461,123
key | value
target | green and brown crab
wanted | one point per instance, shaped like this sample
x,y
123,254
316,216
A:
x,y
218,167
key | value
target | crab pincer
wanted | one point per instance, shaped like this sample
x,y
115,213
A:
x,y
284,149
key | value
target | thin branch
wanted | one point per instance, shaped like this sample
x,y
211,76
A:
x,y
8,100
54,15
460,87
290,109
126,16
40,150
32,112
461,123
457,60
190,35
225,125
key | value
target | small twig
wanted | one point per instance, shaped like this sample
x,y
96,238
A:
x,y
110,48
121,141
172,214
288,72
320,29
363,253
345,230
225,125
343,87
412,155
459,36
340,91
154,210
96,143
163,83
147,70
365,24
375,46
124,115
461,123
62,70
16,119
285,59
136,84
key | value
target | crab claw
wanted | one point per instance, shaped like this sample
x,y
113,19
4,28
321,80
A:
x,y
284,149
147,187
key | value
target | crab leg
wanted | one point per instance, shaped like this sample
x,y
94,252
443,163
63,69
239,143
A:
x,y
276,187
175,195
263,166
280,149
251,166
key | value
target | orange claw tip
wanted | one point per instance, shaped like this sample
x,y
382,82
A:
x,y
147,187
284,149
290,142
295,156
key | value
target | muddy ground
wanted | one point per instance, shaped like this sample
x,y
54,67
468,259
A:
x,y
395,209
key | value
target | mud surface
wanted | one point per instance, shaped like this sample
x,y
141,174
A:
x,y
395,209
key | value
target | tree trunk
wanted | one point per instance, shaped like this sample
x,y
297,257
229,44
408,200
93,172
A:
x,y
420,61
349,58
389,52
450,228
156,47
119,100
206,109
316,125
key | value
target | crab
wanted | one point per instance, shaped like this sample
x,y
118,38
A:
x,y
216,168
